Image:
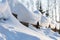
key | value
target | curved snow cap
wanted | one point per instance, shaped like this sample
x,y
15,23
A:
x,y
3,5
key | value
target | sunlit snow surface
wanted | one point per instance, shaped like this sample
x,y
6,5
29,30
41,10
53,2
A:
x,y
24,15
7,28
12,29
47,32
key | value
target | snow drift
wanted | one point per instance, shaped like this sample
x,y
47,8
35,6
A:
x,y
12,29
24,14
7,27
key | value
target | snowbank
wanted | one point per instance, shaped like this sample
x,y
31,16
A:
x,y
24,14
7,28
12,29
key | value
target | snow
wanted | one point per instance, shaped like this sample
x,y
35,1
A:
x,y
45,21
12,29
2,4
24,14
15,35
47,32
1,36
30,4
7,28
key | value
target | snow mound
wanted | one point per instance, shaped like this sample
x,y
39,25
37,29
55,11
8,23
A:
x,y
8,30
12,29
24,14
